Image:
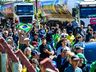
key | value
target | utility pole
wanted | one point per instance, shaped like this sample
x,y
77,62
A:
x,y
37,22
36,2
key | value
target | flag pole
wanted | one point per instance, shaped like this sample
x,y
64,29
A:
x,y
37,22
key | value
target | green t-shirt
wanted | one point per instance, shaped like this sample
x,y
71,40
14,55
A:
x,y
93,67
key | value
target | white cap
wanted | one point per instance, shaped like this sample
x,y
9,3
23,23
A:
x,y
26,39
27,49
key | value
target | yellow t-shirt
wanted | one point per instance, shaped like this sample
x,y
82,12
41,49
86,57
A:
x,y
70,38
24,69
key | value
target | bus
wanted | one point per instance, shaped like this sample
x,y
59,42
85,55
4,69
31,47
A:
x,y
20,12
87,13
24,12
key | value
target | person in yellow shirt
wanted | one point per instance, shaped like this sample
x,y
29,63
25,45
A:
x,y
70,36
24,69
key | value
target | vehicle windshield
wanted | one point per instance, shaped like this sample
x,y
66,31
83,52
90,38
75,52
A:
x,y
24,10
26,19
87,12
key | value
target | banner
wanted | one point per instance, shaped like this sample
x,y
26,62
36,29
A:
x,y
93,21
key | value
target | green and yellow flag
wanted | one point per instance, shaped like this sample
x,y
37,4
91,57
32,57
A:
x,y
25,27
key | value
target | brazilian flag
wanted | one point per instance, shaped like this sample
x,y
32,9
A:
x,y
25,27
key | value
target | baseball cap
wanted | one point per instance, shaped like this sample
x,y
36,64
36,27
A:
x,y
26,39
79,36
79,47
63,36
70,31
81,56
75,58
34,52
43,38
35,34
5,32
8,40
64,50
27,49
35,61
34,43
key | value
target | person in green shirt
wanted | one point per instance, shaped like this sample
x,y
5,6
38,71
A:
x,y
93,67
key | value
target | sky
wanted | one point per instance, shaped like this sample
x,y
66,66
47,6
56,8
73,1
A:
x,y
38,0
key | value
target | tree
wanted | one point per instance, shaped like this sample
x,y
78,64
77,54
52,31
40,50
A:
x,y
0,2
28,1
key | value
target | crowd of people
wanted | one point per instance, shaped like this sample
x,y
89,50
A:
x,y
63,46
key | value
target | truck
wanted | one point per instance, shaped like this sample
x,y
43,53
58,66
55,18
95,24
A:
x,y
85,12
82,11
56,10
19,11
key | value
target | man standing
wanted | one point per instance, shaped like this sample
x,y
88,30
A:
x,y
63,46
62,60
73,67
44,49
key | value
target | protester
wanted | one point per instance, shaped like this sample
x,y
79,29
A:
x,y
73,67
78,49
64,45
56,36
10,32
93,67
35,54
70,36
89,35
83,62
82,31
64,32
27,52
44,49
15,37
69,27
56,43
62,60
35,63
80,42
60,41
36,38
5,34
11,43
76,40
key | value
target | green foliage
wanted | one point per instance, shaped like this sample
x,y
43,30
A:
x,y
1,2
28,1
